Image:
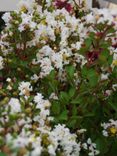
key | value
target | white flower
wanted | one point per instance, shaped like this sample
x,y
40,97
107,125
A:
x,y
90,18
114,87
104,76
21,141
50,19
8,137
61,136
48,3
108,92
84,145
109,127
46,67
9,87
26,21
1,62
8,79
57,60
81,131
50,33
47,104
64,36
104,15
38,99
105,133
77,45
53,96
44,113
7,17
51,150
14,105
35,77
25,88
80,59
36,151
27,4
44,51
92,148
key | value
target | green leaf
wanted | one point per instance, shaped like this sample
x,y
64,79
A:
x,y
114,106
110,59
71,92
55,108
63,116
77,100
102,144
84,71
104,56
70,71
2,154
72,123
92,77
88,42
64,97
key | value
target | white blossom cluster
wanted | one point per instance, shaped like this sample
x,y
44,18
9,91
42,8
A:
x,y
91,147
59,23
35,130
56,38
101,16
25,88
48,27
109,128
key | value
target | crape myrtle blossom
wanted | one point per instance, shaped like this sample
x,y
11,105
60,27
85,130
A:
x,y
101,16
91,147
25,88
26,5
26,22
53,96
46,67
15,105
29,130
7,17
109,128
57,68
52,24
48,3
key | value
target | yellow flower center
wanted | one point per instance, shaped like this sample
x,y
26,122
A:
x,y
115,62
23,9
113,130
33,139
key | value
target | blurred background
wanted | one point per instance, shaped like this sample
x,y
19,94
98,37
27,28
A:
x,y
105,3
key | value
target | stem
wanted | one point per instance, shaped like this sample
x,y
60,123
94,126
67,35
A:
x,y
43,4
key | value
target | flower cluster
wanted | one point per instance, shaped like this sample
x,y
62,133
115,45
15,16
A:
x,y
58,79
110,128
30,128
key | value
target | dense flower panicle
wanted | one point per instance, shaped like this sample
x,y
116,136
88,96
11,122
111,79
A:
x,y
58,69
58,137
